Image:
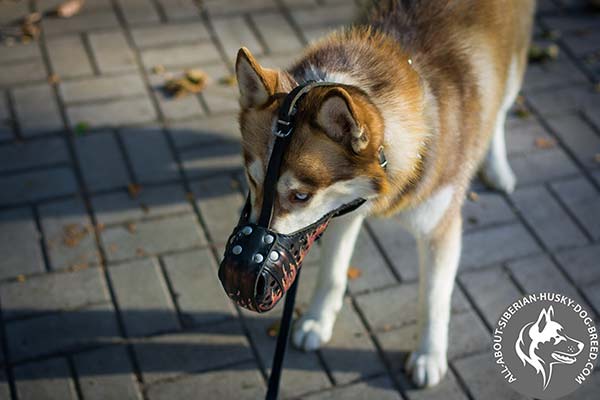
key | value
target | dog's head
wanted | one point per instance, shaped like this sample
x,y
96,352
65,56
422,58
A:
x,y
544,343
332,158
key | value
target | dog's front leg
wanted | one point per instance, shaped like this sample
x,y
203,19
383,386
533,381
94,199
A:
x,y
439,253
316,325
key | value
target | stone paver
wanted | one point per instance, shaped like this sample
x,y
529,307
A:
x,y
116,201
143,298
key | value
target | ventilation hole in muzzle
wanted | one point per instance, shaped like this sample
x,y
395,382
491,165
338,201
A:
x,y
260,285
273,283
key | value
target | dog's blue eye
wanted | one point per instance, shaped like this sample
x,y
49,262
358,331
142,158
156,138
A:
x,y
301,197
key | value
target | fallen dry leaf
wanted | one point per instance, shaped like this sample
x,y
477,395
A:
x,y
131,227
472,220
134,190
597,158
79,266
386,327
21,278
73,234
54,79
99,227
544,143
273,329
69,8
140,252
193,81
145,208
158,69
540,54
473,196
353,273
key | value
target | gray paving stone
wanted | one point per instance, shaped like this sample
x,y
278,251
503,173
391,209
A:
x,y
61,332
19,244
242,382
96,14
583,201
592,293
152,201
165,357
106,374
152,237
482,377
581,264
53,292
554,227
19,52
233,33
143,297
303,371
179,9
68,57
542,166
351,355
225,7
488,209
37,185
149,154
37,153
112,52
36,110
374,270
220,204
113,113
68,233
576,24
6,119
102,88
584,44
521,135
169,34
491,246
101,161
559,73
22,72
277,32
207,130
139,11
221,98
379,388
181,55
48,380
397,306
564,100
4,386
491,290
447,389
198,292
397,344
206,161
540,274
578,137
398,245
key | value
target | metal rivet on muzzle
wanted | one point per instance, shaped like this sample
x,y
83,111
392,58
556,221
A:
x,y
258,258
274,256
247,230
268,239
237,250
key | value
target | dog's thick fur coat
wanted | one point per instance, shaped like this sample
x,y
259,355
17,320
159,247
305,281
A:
x,y
431,82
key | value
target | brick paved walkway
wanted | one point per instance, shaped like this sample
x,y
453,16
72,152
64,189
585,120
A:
x,y
115,201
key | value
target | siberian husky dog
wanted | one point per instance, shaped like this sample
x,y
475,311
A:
x,y
427,84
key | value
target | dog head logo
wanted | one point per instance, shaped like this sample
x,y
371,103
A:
x,y
544,343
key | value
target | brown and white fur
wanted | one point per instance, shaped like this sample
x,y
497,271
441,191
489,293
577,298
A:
x,y
431,82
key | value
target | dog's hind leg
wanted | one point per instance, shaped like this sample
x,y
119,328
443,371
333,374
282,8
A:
x,y
316,325
439,253
495,170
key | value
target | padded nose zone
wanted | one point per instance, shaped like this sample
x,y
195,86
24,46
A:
x,y
248,271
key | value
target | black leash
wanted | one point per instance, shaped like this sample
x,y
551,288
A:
x,y
282,341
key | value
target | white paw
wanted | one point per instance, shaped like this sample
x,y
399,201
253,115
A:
x,y
501,178
311,333
426,369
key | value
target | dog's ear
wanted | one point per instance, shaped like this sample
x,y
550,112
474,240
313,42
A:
x,y
338,117
256,84
544,318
